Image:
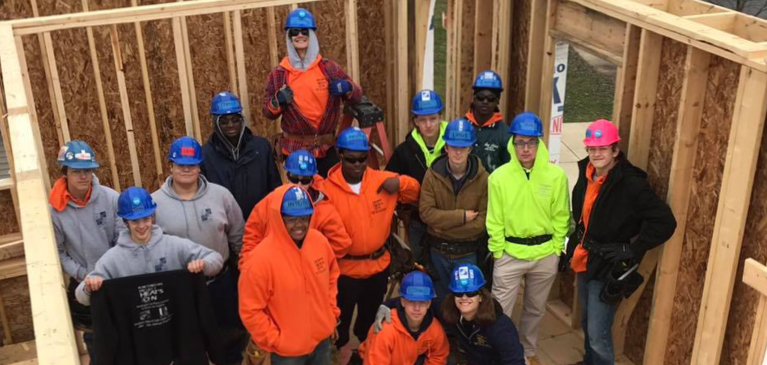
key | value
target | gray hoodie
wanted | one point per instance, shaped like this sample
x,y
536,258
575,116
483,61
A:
x,y
311,52
212,218
163,253
84,234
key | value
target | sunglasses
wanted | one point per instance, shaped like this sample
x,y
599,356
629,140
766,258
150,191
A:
x,y
304,180
356,160
293,32
487,98
468,295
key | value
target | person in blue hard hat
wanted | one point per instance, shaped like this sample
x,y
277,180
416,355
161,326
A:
x,y
288,288
236,159
189,206
454,204
485,115
414,335
416,154
528,218
85,223
307,90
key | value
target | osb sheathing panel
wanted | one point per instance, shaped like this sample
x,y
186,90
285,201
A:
x,y
257,63
372,51
520,33
8,223
740,322
467,56
209,63
671,76
15,292
721,91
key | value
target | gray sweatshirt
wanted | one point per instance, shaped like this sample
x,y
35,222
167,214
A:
x,y
211,218
84,234
163,253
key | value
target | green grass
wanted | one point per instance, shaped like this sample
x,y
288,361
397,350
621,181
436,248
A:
x,y
440,48
589,94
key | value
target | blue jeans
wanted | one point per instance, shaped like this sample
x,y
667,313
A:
x,y
415,233
444,268
320,356
597,321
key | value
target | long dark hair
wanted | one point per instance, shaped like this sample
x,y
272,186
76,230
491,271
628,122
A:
x,y
485,312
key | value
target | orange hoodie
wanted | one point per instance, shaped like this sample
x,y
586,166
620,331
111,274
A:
x,y
367,216
310,90
394,345
497,117
325,219
287,294
60,196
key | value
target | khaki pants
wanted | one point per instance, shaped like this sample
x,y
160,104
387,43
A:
x,y
539,275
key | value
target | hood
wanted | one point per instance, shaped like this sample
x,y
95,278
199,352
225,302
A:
x,y
219,140
399,320
440,167
59,197
167,188
124,240
337,178
312,53
497,117
541,157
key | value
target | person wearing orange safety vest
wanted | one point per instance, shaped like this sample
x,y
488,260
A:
x,y
365,199
306,90
300,170
414,335
288,288
619,218
485,115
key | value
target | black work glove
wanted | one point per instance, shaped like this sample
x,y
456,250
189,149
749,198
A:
x,y
564,262
617,252
284,96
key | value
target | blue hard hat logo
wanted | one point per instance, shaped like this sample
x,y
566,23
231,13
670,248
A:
x,y
136,201
460,135
302,13
588,133
598,134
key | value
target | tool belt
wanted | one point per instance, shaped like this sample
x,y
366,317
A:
x,y
312,139
452,248
378,253
530,241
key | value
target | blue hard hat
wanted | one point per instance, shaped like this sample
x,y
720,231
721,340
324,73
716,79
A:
x,y
135,203
526,124
296,203
426,102
353,139
185,151
77,154
300,18
466,278
417,287
301,163
460,133
225,103
488,80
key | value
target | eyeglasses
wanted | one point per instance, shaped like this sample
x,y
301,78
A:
x,y
293,32
528,144
354,161
486,98
468,295
303,180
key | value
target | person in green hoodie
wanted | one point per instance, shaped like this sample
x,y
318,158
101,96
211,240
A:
x,y
528,217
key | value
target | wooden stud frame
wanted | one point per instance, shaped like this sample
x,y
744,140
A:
x,y
755,276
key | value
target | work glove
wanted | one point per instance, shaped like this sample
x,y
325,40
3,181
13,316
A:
x,y
340,87
383,313
284,96
564,262
617,252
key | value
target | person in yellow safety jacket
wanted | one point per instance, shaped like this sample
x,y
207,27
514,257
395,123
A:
x,y
528,217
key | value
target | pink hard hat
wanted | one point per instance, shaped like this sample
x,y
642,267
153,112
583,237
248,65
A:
x,y
600,133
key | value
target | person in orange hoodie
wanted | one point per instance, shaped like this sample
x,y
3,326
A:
x,y
288,288
365,199
414,335
307,91
492,138
300,170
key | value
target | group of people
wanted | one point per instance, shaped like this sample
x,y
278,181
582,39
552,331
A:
x,y
288,267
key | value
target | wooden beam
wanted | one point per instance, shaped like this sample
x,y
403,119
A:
x,y
600,32
352,42
455,35
190,75
58,97
403,94
628,72
8,184
722,21
547,69
140,14
693,7
11,246
8,336
501,46
125,103
229,43
605,54
685,146
646,88
102,103
751,28
755,275
52,323
271,23
537,49
242,74
483,35
182,78
731,213
42,40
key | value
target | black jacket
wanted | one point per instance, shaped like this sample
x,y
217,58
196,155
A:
x,y
153,319
250,177
627,210
494,344
408,159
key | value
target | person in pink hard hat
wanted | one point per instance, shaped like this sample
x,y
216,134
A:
x,y
618,218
